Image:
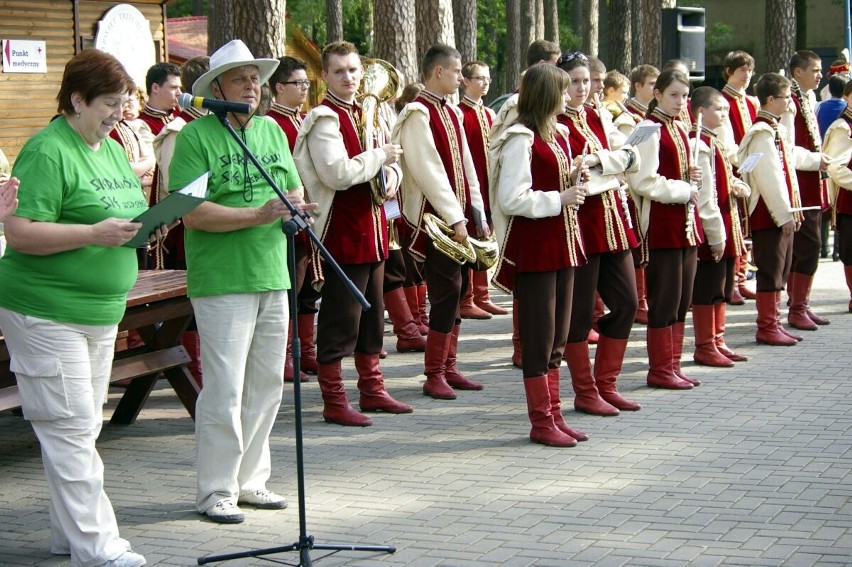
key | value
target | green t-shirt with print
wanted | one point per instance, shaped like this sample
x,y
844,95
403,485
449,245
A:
x,y
65,181
251,259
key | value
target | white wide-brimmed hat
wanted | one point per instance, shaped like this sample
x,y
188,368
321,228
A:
x,y
231,55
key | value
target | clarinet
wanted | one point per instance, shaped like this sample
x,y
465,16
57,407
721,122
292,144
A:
x,y
690,207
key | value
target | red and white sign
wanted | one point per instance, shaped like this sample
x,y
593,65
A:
x,y
24,56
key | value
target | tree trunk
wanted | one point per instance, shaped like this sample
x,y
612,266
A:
x,y
514,61
260,24
780,34
527,24
220,24
396,36
539,19
619,34
464,17
334,20
435,24
636,23
649,33
551,20
590,27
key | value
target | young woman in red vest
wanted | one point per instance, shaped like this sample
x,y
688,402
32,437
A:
x,y
668,183
533,206
608,238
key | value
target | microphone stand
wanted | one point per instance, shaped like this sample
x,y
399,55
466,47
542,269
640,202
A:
x,y
291,227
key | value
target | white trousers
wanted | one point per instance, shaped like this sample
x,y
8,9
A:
x,y
243,342
63,372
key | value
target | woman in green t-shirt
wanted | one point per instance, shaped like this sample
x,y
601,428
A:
x,y
63,286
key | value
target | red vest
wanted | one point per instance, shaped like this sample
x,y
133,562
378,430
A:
x,y
812,189
548,244
668,222
760,219
447,134
633,106
477,124
289,119
742,112
727,203
156,120
603,219
356,231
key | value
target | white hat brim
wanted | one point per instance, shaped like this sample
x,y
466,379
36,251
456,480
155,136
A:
x,y
266,67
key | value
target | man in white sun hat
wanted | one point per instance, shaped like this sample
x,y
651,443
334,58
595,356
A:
x,y
237,280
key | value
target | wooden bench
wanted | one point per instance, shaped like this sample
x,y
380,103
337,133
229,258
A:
x,y
158,309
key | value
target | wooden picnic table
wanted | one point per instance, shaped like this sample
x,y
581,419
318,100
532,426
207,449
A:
x,y
159,310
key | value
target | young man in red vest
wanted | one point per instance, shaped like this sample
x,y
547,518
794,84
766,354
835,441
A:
x,y
336,169
478,119
440,179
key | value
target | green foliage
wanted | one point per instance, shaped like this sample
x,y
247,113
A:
x,y
491,40
181,8
719,37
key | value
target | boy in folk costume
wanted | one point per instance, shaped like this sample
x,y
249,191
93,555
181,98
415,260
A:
x,y
774,196
643,78
478,119
440,179
803,131
738,70
718,207
337,168
838,146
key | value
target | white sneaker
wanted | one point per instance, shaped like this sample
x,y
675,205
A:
x,y
263,499
225,511
127,559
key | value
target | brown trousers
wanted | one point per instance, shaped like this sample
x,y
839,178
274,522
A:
x,y
342,326
806,244
544,314
613,276
670,274
772,251
714,281
843,234
446,281
308,296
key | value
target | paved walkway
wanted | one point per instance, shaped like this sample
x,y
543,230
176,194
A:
x,y
752,468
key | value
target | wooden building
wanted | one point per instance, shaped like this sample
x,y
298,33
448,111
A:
x,y
28,100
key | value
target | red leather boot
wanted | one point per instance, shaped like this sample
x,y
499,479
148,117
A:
x,y
609,358
481,297
641,293
371,384
191,341
288,361
408,337
467,309
706,353
719,334
678,334
797,315
454,377
811,315
660,361
434,366
784,330
556,406
544,430
308,361
768,325
336,408
587,399
422,296
412,298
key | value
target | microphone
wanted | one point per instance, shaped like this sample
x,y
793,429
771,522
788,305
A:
x,y
186,100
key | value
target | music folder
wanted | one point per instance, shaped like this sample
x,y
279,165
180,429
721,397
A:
x,y
169,210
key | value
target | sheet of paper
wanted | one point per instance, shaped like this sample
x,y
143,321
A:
x,y
392,209
641,133
750,162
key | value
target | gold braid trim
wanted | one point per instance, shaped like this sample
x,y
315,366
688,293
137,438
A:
x,y
807,114
569,214
683,166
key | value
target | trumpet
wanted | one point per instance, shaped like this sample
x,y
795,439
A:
x,y
481,253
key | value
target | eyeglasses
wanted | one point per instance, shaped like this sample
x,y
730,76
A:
x,y
303,84
485,80
570,56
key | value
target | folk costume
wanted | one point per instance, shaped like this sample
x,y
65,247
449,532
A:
x,y
714,281
672,228
774,193
608,238
336,170
626,123
838,146
290,121
153,122
741,115
541,245
803,131
478,118
440,179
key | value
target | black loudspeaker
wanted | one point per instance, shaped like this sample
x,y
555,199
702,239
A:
x,y
683,38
